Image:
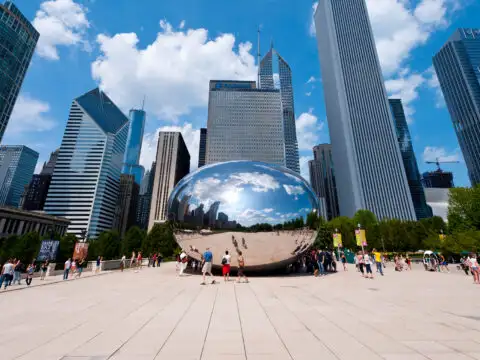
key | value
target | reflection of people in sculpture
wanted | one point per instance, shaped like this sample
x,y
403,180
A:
x,y
244,243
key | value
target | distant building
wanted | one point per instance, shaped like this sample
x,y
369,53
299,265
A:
x,y
86,180
17,164
438,179
203,147
271,61
422,210
35,193
457,65
322,179
244,123
145,198
369,172
18,39
438,199
131,160
19,222
127,203
172,164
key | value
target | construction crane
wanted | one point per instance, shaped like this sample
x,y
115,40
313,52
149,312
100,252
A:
x,y
438,162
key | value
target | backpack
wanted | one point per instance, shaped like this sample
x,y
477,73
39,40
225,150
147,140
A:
x,y
224,261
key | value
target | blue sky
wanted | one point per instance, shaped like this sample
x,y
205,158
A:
x,y
168,50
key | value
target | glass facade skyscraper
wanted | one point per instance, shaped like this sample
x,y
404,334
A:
x,y
369,171
18,39
202,150
17,164
267,82
86,180
422,210
131,160
458,68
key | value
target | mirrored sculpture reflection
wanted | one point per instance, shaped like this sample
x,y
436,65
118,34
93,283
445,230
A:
x,y
245,206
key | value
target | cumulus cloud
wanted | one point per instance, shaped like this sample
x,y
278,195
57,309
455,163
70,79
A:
x,y
304,171
30,115
173,71
434,84
432,153
308,130
60,23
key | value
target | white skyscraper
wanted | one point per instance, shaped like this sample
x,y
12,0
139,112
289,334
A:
x,y
368,162
171,165
244,123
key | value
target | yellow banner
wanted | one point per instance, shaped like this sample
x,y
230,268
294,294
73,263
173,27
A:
x,y
442,237
337,240
361,237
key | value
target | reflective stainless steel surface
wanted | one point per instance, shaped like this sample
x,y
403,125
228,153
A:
x,y
220,206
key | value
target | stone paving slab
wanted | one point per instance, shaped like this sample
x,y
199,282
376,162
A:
x,y
154,314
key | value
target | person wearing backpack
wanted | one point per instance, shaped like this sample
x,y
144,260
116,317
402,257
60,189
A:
x,y
241,267
226,266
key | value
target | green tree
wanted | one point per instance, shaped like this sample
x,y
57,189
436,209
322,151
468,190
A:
x,y
108,244
160,240
27,246
347,229
313,220
7,246
132,241
464,209
66,246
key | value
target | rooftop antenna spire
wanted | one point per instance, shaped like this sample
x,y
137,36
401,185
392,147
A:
x,y
271,43
258,58
143,102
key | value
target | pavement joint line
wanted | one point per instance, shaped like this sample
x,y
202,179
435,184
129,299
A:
x,y
240,320
271,323
306,326
209,322
146,322
177,322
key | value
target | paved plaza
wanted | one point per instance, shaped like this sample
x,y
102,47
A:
x,y
154,314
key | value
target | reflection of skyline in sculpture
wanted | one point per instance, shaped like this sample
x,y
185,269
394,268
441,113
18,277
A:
x,y
263,208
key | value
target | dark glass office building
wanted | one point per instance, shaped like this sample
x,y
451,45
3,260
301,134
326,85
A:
x,y
203,147
438,179
131,160
422,210
458,68
18,39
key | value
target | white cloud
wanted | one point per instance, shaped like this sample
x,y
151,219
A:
x,y
269,210
173,72
405,87
434,84
432,153
304,167
312,30
182,24
308,130
30,115
311,79
190,135
294,189
60,23
308,93
432,12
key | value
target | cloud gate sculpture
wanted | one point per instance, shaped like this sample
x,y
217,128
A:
x,y
245,206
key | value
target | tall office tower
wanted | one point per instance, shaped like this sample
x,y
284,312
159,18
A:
x,y
370,174
458,68
422,210
172,164
18,39
437,179
145,198
266,72
322,179
131,160
126,210
86,179
244,123
35,193
17,164
202,148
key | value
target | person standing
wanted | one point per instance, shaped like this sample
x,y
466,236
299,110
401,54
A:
x,y
241,267
7,272
226,266
122,263
139,260
132,259
154,258
30,271
80,266
98,264
344,262
183,263
368,265
66,269
361,262
17,272
43,270
474,267
378,261
207,265
320,261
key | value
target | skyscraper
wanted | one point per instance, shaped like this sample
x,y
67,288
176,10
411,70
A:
x,y
370,174
131,160
422,210
145,198
322,178
267,82
127,203
86,179
202,148
18,39
172,164
35,193
244,123
437,179
458,68
17,164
